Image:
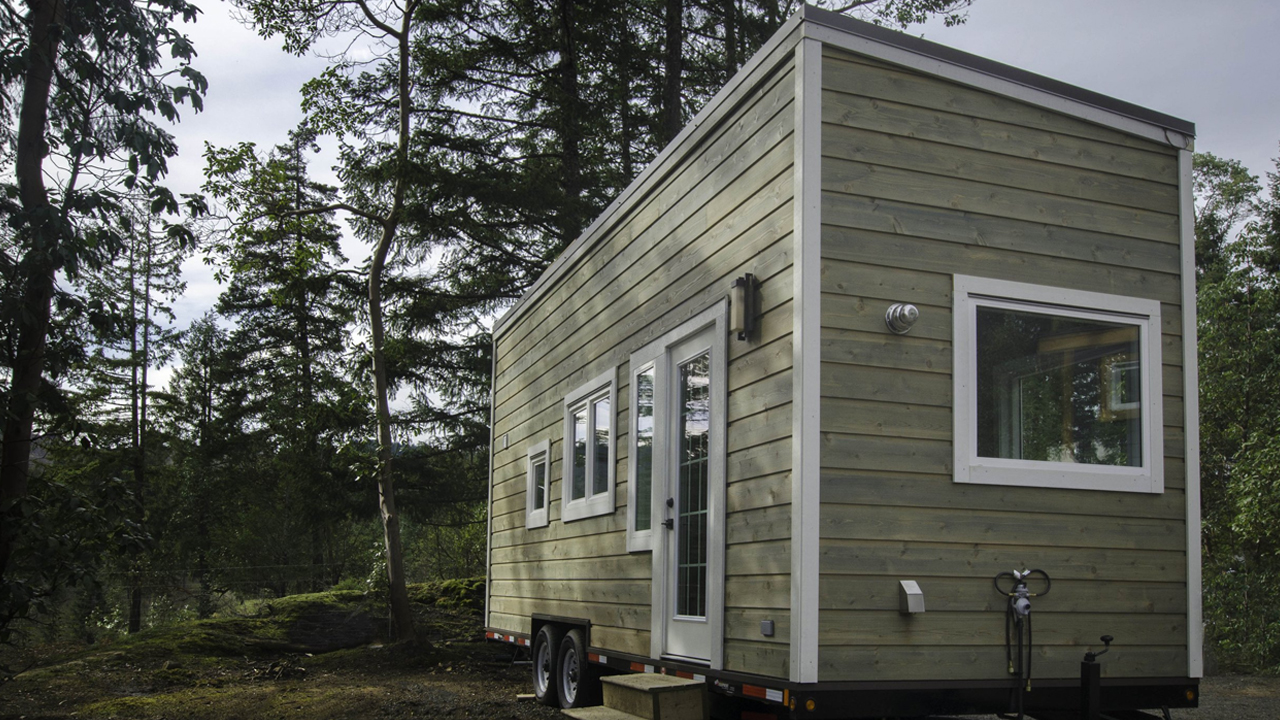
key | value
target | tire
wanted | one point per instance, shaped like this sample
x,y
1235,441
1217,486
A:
x,y
579,680
546,666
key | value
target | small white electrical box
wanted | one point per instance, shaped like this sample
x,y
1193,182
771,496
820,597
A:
x,y
910,597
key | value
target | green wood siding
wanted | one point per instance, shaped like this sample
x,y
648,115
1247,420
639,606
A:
x,y
923,179
722,210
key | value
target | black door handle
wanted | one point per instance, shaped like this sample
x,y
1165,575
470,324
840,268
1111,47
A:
x,y
669,524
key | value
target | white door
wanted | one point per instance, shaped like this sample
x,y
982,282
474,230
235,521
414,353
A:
x,y
691,506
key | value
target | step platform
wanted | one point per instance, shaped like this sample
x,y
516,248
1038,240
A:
x,y
648,696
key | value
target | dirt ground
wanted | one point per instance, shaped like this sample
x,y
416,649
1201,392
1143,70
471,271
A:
x,y
276,665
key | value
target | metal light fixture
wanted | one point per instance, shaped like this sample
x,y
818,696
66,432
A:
x,y
742,305
910,597
901,317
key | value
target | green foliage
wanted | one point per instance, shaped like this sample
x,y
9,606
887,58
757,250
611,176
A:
x,y
72,521
1238,238
82,89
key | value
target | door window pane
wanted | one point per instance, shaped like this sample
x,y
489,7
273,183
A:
x,y
694,405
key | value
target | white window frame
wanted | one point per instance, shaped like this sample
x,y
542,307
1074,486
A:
x,y
641,540
536,517
602,503
972,292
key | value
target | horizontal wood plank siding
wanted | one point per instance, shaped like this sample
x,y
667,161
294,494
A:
x,y
923,179
724,211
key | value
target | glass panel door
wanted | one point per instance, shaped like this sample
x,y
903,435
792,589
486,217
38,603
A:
x,y
691,486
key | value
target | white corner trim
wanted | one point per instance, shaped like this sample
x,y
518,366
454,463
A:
x,y
992,83
599,503
971,292
488,515
1191,402
806,442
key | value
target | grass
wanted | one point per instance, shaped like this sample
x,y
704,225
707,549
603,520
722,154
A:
x,y
321,655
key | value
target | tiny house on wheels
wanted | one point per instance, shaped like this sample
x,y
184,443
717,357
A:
x,y
875,394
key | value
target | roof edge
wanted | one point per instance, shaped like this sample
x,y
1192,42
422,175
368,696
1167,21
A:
x,y
1009,73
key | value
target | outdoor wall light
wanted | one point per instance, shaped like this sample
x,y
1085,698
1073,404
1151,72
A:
x,y
901,317
743,297
910,597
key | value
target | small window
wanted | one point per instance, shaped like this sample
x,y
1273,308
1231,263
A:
x,y
589,449
538,492
1056,388
640,460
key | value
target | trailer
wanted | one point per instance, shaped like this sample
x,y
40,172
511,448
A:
x,y
873,395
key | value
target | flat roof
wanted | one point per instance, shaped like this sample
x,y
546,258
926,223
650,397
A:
x,y
977,63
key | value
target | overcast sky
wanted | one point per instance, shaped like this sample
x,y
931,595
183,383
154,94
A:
x,y
1213,63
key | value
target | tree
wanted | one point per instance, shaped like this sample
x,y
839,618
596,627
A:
x,y
373,107
293,310
139,286
482,140
534,115
203,411
1238,247
79,86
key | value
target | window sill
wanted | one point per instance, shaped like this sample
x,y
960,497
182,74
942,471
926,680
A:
x,y
1067,476
594,506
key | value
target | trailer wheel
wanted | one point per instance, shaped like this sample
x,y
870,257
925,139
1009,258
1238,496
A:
x,y
546,668
579,681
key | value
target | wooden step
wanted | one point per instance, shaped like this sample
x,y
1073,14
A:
x,y
597,712
650,696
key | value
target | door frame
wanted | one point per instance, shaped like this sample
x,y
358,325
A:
x,y
657,352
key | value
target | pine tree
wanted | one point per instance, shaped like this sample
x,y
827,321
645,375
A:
x,y
293,308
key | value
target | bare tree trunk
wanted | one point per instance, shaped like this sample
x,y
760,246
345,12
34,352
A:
x,y
135,419
673,68
401,614
730,8
571,222
624,103
39,265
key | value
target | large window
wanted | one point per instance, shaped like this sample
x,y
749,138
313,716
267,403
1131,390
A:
x,y
538,490
1056,388
589,449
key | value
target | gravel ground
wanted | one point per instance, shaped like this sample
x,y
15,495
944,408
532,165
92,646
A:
x,y
1236,697
1225,697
